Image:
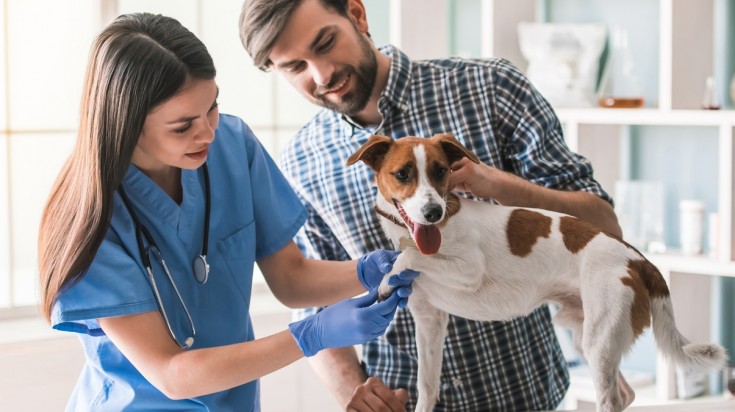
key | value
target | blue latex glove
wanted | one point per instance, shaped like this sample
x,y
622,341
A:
x,y
349,322
402,282
373,266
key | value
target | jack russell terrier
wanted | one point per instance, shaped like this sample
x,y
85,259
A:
x,y
488,262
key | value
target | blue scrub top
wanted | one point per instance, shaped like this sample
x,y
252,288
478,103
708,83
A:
x,y
254,213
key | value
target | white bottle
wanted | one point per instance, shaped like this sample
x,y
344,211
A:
x,y
691,222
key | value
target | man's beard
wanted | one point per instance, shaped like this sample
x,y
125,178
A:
x,y
355,100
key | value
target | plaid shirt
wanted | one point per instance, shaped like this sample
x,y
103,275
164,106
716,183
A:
x,y
493,110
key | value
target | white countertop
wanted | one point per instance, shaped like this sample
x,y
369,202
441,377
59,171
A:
x,y
708,404
690,406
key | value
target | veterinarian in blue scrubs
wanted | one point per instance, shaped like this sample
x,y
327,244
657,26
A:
x,y
149,237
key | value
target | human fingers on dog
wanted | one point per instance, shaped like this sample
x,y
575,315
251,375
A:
x,y
373,266
399,297
387,308
461,175
387,259
463,162
403,293
376,317
365,300
479,179
374,395
402,396
404,278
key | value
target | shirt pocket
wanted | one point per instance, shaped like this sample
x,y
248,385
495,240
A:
x,y
237,252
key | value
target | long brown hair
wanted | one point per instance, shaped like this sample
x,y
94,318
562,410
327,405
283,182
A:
x,y
136,63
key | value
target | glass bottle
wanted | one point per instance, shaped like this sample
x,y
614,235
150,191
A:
x,y
710,100
620,87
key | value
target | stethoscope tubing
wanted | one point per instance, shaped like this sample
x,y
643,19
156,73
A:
x,y
189,341
141,231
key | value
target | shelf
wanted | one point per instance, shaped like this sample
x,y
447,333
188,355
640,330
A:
x,y
698,265
647,117
581,392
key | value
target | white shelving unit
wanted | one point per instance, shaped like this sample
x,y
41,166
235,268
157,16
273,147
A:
x,y
597,130
685,36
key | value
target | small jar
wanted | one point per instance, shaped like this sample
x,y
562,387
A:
x,y
691,222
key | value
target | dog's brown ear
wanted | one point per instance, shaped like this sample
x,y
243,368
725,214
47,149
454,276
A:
x,y
454,149
371,152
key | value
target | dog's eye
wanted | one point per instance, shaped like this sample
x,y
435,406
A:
x,y
401,175
441,172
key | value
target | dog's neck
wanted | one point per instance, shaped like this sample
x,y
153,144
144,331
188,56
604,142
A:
x,y
453,206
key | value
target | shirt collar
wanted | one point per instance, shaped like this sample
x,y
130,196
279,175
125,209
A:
x,y
399,78
152,203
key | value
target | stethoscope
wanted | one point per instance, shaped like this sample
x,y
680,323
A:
x,y
200,265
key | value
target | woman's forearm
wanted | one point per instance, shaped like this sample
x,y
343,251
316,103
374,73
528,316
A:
x,y
203,371
299,282
181,374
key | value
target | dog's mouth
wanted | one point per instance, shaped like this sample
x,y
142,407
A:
x,y
428,238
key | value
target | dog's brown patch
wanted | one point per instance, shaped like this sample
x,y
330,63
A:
x,y
523,230
576,233
398,158
647,283
453,148
437,159
640,310
655,283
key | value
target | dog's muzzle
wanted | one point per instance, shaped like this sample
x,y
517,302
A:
x,y
428,238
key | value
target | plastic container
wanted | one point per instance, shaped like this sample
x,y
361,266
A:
x,y
691,226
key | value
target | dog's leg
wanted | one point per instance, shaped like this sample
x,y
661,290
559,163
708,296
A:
x,y
571,316
604,371
626,392
431,330
607,335
384,290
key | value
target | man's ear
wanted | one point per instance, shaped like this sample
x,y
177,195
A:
x,y
356,13
372,152
453,148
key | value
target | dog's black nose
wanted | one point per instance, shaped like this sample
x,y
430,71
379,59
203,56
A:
x,y
432,212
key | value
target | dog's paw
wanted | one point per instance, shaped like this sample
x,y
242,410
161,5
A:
x,y
384,290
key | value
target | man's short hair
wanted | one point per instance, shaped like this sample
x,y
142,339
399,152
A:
x,y
262,21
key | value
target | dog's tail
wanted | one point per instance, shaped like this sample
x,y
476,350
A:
x,y
669,339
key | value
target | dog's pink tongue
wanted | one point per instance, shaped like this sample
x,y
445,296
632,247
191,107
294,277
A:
x,y
427,237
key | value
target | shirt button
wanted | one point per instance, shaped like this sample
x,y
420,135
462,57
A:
x,y
456,382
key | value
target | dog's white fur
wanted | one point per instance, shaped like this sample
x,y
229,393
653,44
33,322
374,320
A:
x,y
478,275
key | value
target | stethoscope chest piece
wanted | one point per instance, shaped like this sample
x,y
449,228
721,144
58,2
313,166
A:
x,y
201,269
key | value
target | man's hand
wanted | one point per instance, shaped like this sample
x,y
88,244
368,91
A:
x,y
475,178
373,395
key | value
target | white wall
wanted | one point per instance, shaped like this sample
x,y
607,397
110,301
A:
x,y
41,76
